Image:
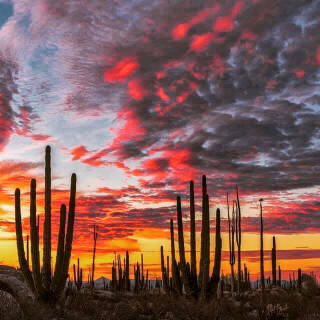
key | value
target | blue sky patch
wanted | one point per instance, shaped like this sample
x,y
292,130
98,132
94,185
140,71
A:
x,y
6,11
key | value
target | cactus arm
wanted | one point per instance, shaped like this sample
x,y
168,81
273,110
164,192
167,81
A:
x,y
20,245
217,257
69,235
35,254
185,274
164,273
60,248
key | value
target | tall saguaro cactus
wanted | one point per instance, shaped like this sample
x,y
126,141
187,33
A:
x,y
46,288
274,261
184,269
164,272
95,237
238,237
176,282
261,250
231,229
217,257
77,275
205,241
127,272
47,222
193,237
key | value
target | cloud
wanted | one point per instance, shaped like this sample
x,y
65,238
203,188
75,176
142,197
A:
x,y
7,88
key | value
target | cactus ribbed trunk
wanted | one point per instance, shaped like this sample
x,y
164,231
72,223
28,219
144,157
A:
x,y
28,262
77,275
47,223
299,279
193,254
95,236
60,248
238,238
217,256
232,259
165,279
69,234
274,261
127,272
20,245
205,242
279,276
261,250
176,283
34,230
185,274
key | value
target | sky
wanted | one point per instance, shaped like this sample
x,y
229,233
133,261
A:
x,y
139,97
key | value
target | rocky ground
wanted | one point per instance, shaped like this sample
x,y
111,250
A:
x,y
103,305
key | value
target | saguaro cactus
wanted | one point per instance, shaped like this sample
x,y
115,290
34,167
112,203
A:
x,y
217,256
165,278
238,237
231,229
205,241
279,276
47,223
176,281
28,262
47,289
193,238
299,280
274,261
183,264
261,250
127,272
77,275
95,237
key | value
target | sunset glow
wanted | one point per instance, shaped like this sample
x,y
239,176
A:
x,y
138,98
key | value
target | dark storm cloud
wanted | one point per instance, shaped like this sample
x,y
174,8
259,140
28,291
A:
x,y
240,77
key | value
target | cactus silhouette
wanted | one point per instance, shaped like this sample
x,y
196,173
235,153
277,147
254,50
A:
x,y
231,230
299,280
77,275
279,276
165,279
261,250
175,273
193,255
183,264
46,288
95,237
206,286
205,242
127,272
238,237
274,261
217,258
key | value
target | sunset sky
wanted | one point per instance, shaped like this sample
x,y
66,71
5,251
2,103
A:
x,y
138,97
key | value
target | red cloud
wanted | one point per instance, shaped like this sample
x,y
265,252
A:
x,y
78,152
199,42
122,70
223,24
163,95
181,30
136,90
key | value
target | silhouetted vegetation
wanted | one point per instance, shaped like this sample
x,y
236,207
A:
x,y
182,293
